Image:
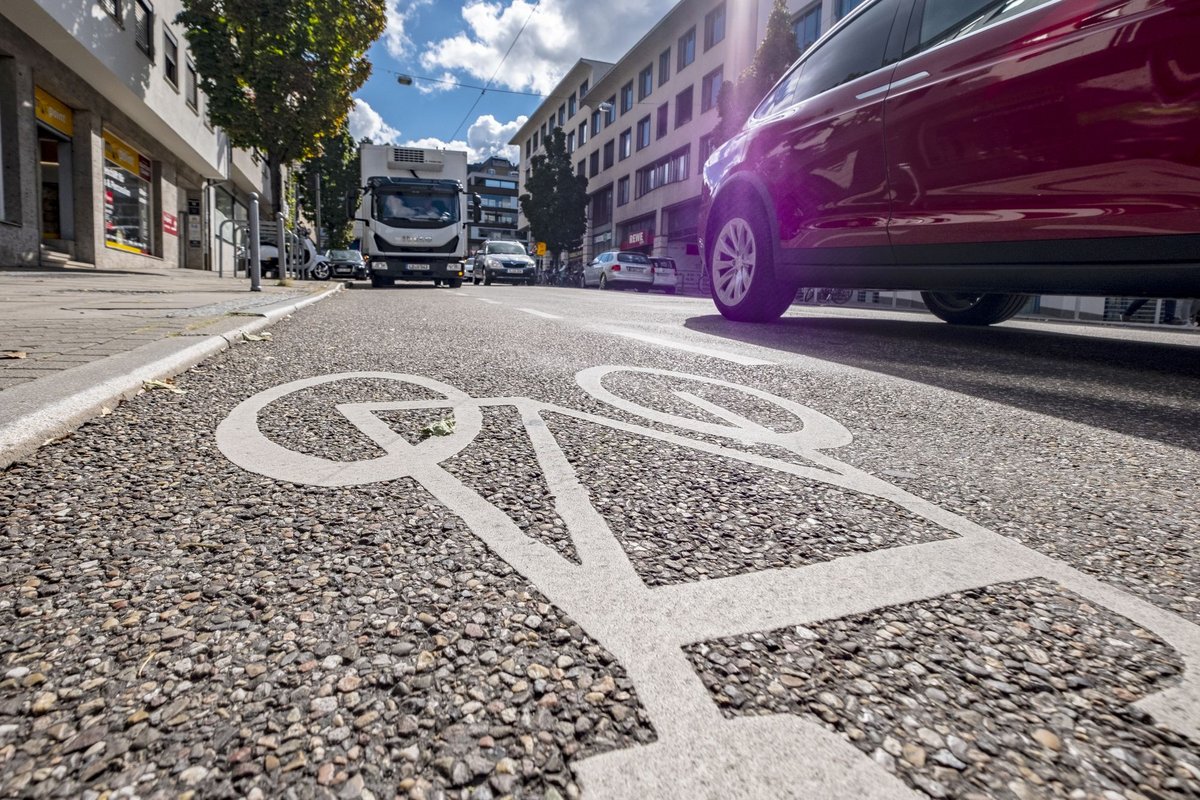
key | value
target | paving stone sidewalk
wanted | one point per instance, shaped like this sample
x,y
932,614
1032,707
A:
x,y
63,318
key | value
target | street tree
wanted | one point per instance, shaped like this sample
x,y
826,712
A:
x,y
775,55
279,74
327,178
556,201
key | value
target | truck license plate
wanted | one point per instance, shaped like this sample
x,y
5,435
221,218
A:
x,y
418,267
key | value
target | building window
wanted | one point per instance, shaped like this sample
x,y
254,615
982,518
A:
x,y
687,50
662,121
113,9
609,148
583,87
626,97
643,133
844,7
669,169
595,123
581,168
528,148
143,26
128,197
191,91
571,142
562,115
170,57
714,27
594,163
623,191
706,148
610,116
625,144
582,134
683,107
646,82
602,207
664,66
807,27
710,89
571,106
545,130
535,140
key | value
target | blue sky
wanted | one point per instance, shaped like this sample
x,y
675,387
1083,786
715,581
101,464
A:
x,y
465,42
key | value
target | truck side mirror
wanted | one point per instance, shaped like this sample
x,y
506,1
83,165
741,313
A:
x,y
476,208
351,200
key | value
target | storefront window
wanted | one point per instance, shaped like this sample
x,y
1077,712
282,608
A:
x,y
127,198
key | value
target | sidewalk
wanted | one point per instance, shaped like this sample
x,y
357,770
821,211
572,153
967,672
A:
x,y
73,341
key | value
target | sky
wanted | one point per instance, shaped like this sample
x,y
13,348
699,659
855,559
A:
x,y
465,43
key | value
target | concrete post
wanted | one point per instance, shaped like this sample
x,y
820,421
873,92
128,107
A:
x,y
281,244
255,262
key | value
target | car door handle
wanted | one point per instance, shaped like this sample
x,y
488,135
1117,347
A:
x,y
892,85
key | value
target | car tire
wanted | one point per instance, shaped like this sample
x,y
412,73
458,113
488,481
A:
x,y
745,288
973,308
322,272
604,286
487,279
454,283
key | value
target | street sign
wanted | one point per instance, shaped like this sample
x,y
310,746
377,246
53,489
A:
x,y
541,248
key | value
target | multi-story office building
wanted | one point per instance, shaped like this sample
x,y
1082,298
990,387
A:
x,y
640,129
495,181
106,153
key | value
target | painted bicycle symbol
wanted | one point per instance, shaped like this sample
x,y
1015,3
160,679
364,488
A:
x,y
699,753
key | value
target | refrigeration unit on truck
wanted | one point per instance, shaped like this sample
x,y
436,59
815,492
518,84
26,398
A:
x,y
412,214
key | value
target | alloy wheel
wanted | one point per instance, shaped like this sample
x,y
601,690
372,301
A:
x,y
735,256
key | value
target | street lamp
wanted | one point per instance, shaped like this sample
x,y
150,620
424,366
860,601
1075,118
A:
x,y
404,80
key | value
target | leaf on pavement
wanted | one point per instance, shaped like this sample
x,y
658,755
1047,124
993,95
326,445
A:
x,y
257,337
13,354
443,427
167,385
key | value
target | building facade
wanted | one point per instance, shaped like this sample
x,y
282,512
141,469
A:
x,y
640,129
495,180
106,153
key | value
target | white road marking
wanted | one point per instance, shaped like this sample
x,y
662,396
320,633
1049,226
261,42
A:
x,y
539,313
485,300
724,355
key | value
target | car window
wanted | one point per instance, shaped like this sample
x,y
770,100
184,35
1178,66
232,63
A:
x,y
857,49
946,20
506,248
634,258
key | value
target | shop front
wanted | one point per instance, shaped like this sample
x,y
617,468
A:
x,y
56,185
638,235
128,197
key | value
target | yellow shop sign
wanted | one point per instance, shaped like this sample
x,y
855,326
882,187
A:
x,y
121,154
52,111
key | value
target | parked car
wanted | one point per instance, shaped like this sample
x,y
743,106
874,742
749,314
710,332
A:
x,y
503,260
615,269
342,264
468,268
665,274
977,150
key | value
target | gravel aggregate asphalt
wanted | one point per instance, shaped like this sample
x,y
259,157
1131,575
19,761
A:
x,y
173,625
1012,691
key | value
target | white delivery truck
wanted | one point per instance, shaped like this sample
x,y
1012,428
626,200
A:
x,y
412,214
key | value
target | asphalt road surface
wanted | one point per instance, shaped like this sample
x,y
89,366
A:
x,y
549,543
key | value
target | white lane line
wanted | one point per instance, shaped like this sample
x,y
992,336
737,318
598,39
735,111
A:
x,y
485,300
746,361
539,313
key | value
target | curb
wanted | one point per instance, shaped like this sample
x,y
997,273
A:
x,y
28,420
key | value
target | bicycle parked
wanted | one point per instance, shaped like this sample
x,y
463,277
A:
x,y
824,296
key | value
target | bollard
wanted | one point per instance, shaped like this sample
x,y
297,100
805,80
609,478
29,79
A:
x,y
255,264
281,244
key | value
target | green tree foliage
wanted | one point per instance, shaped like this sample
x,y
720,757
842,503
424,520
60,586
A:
x,y
337,170
279,74
556,201
775,55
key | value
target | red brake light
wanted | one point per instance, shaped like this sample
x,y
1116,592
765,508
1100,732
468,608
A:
x,y
616,268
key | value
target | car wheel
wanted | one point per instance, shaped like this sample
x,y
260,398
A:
x,y
604,282
322,272
487,279
454,283
745,288
973,308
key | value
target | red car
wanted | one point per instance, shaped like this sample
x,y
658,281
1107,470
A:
x,y
977,150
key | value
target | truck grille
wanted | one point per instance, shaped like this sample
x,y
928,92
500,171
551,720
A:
x,y
382,246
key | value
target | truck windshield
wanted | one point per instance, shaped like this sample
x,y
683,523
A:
x,y
506,248
420,208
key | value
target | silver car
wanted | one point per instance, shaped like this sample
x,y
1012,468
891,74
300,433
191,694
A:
x,y
615,269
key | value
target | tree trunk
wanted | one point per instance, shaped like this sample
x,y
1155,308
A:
x,y
276,171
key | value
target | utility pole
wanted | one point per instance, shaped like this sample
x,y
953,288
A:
x,y
318,209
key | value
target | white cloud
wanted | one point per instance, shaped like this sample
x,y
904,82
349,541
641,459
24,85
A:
x,y
486,137
397,16
557,35
365,122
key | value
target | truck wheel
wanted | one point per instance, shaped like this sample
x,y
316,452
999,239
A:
x,y
454,283
437,281
376,282
973,308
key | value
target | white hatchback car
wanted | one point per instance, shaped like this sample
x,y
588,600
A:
x,y
615,269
